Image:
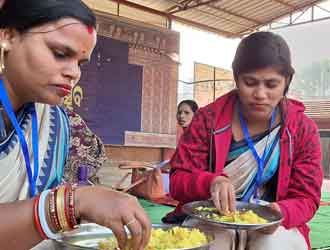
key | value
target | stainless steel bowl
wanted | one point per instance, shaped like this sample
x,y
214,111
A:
x,y
87,237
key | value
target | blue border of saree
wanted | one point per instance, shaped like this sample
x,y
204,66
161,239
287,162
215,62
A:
x,y
238,148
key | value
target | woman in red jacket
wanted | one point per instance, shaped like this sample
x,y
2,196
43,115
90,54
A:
x,y
42,47
263,147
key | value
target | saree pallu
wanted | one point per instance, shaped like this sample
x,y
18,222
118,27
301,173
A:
x,y
53,139
242,167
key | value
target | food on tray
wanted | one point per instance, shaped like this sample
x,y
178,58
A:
x,y
174,238
239,217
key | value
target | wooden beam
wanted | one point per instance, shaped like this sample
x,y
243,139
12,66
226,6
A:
x,y
218,16
188,7
176,18
175,6
178,5
235,14
292,7
216,8
141,7
206,27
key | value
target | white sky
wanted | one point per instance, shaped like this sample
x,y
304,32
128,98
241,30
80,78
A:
x,y
203,47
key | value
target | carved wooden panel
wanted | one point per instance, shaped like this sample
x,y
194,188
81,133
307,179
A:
x,y
152,48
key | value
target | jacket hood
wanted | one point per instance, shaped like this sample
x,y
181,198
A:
x,y
293,106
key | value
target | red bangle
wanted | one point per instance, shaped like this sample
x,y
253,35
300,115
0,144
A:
x,y
73,220
36,218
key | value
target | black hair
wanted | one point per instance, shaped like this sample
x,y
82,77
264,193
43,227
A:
x,y
260,50
191,103
23,15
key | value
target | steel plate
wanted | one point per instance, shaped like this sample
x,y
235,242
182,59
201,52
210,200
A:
x,y
87,237
273,217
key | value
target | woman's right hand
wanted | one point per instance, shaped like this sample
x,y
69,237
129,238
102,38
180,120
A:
x,y
2,2
223,194
114,210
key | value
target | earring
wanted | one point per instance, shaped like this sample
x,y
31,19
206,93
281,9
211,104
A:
x,y
3,47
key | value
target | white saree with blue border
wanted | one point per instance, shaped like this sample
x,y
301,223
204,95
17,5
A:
x,y
242,167
54,139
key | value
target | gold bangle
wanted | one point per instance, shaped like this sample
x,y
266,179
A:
x,y
61,208
52,211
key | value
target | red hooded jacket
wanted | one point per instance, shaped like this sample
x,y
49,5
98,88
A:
x,y
300,173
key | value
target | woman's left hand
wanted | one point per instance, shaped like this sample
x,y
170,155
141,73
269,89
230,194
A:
x,y
2,2
271,229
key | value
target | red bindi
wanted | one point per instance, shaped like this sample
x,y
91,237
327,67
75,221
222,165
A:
x,y
90,29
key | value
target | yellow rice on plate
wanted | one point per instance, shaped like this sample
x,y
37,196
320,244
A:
x,y
171,239
239,217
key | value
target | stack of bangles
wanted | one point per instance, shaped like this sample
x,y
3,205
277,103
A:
x,y
59,208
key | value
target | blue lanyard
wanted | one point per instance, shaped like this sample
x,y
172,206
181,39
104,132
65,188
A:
x,y
260,160
10,112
